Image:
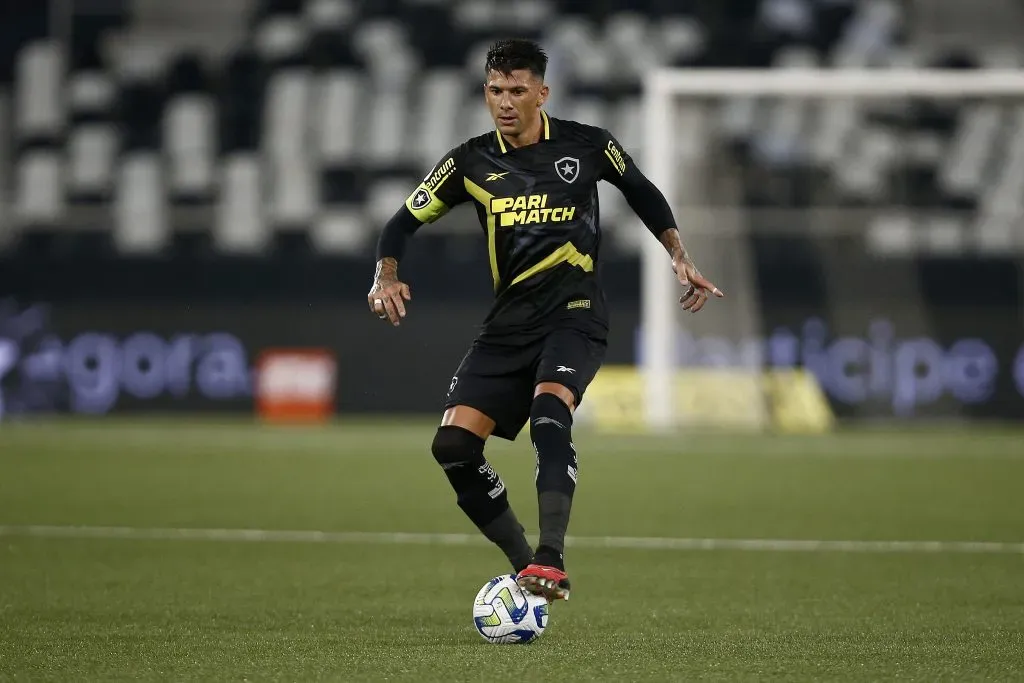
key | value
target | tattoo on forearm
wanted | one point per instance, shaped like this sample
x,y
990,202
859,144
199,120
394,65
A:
x,y
674,246
387,270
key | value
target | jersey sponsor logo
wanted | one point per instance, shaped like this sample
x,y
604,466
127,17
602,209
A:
x,y
495,176
579,303
568,169
615,156
529,210
434,180
420,198
562,368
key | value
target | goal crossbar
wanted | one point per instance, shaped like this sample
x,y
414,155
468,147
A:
x,y
862,83
664,86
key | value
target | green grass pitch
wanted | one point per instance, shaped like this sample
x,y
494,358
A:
x,y
78,603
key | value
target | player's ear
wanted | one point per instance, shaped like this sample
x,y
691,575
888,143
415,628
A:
x,y
543,97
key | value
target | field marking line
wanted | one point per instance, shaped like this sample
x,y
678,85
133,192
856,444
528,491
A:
x,y
611,542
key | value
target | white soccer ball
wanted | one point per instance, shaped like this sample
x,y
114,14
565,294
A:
x,y
505,613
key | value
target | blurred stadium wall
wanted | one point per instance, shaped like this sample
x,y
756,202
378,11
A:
x,y
185,185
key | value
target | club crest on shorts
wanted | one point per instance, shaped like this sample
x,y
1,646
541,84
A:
x,y
568,169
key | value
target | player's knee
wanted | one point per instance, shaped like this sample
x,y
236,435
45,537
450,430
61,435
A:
x,y
549,411
559,391
479,491
456,447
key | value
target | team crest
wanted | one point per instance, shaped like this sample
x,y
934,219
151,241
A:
x,y
420,199
568,169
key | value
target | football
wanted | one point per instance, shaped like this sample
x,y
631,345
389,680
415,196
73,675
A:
x,y
505,613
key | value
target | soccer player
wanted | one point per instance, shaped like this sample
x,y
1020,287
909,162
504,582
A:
x,y
533,183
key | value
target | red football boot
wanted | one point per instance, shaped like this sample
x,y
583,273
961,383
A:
x,y
549,582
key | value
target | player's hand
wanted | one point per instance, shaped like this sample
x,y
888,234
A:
x,y
388,294
696,287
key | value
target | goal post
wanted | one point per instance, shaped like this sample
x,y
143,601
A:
x,y
664,91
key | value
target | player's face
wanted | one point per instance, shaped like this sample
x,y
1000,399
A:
x,y
514,100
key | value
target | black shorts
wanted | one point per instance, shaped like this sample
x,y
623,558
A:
x,y
499,381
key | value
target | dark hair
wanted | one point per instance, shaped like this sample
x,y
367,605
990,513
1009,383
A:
x,y
505,56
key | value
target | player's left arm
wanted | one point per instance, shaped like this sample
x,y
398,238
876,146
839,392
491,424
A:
x,y
650,205
441,189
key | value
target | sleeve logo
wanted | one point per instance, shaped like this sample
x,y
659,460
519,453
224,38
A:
x,y
434,180
420,198
615,156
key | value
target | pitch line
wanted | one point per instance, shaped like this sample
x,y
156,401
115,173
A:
x,y
611,542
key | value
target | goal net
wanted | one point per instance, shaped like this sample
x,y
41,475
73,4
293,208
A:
x,y
815,199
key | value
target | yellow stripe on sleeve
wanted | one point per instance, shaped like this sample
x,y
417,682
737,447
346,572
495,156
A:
x,y
617,164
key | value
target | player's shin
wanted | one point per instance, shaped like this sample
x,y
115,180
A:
x,y
551,432
480,492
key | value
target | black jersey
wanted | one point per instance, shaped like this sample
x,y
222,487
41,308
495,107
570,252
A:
x,y
538,207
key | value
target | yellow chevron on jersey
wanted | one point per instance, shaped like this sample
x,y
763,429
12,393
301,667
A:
x,y
567,253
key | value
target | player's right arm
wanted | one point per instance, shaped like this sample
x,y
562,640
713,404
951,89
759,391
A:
x,y
440,190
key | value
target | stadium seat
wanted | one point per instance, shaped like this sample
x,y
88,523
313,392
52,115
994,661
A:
x,y
286,113
92,150
341,229
38,94
294,198
91,97
140,217
190,148
39,189
240,226
388,116
281,40
338,115
438,103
